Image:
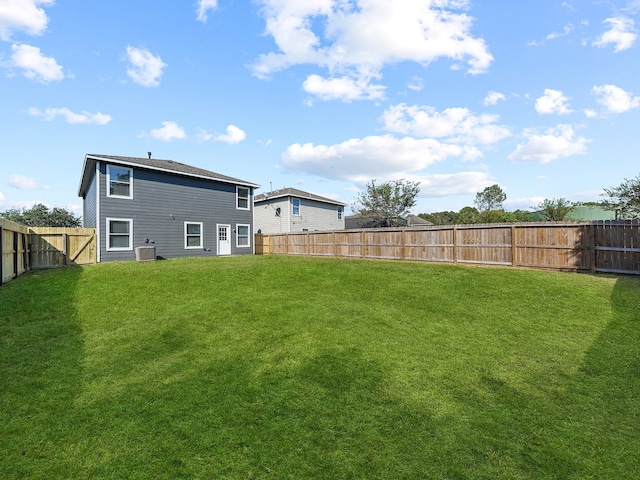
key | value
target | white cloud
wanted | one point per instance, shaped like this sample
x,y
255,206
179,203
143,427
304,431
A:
x,y
615,99
342,88
553,101
203,135
50,114
145,69
558,142
493,98
442,185
23,16
25,183
457,125
169,131
523,203
378,156
566,30
234,135
632,6
1,196
589,113
203,7
356,39
622,34
35,65
416,84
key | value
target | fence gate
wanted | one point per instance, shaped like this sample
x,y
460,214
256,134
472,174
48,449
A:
x,y
59,247
617,247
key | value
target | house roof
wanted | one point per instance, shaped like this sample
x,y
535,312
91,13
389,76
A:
x,y
167,166
294,192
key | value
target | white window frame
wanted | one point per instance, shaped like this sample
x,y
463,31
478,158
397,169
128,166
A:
x,y
238,197
108,237
293,207
248,245
109,194
340,212
201,236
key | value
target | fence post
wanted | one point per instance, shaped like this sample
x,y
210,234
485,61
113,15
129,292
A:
x,y
64,249
1,257
593,243
15,253
455,244
404,244
513,245
25,253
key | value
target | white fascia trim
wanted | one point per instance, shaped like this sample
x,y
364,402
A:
x,y
184,174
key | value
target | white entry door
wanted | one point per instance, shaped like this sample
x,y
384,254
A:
x,y
224,239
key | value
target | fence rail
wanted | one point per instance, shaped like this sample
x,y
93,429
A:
x,y
610,246
25,248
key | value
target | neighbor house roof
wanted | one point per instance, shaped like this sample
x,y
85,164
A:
x,y
167,166
294,192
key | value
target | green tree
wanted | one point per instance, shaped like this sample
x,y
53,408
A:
x,y
625,198
41,216
386,204
441,218
491,198
556,209
468,215
519,216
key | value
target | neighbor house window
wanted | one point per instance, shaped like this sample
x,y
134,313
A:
x,y
242,196
295,203
242,236
119,234
340,212
119,182
193,235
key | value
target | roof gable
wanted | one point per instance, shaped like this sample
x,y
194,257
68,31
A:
x,y
294,192
168,166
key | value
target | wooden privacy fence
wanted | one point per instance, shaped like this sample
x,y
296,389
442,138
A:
x,y
612,247
25,248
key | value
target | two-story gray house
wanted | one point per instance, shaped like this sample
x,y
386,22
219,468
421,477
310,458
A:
x,y
179,209
290,210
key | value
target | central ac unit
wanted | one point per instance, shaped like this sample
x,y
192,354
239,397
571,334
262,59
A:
x,y
145,254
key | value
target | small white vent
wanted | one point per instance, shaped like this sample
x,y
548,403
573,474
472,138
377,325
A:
x,y
145,254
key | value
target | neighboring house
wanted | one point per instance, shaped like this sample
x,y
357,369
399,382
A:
x,y
416,221
179,209
292,210
354,222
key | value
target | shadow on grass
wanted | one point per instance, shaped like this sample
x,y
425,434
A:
x,y
589,430
40,372
329,417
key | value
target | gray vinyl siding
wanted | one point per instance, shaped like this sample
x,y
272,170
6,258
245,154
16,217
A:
x,y
265,216
89,212
316,216
161,205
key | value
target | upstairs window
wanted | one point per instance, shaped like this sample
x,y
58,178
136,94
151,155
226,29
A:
x,y
295,204
242,198
119,182
340,207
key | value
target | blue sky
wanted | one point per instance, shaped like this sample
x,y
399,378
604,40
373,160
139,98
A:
x,y
542,98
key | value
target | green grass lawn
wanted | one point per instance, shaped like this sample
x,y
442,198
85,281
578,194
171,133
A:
x,y
285,367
